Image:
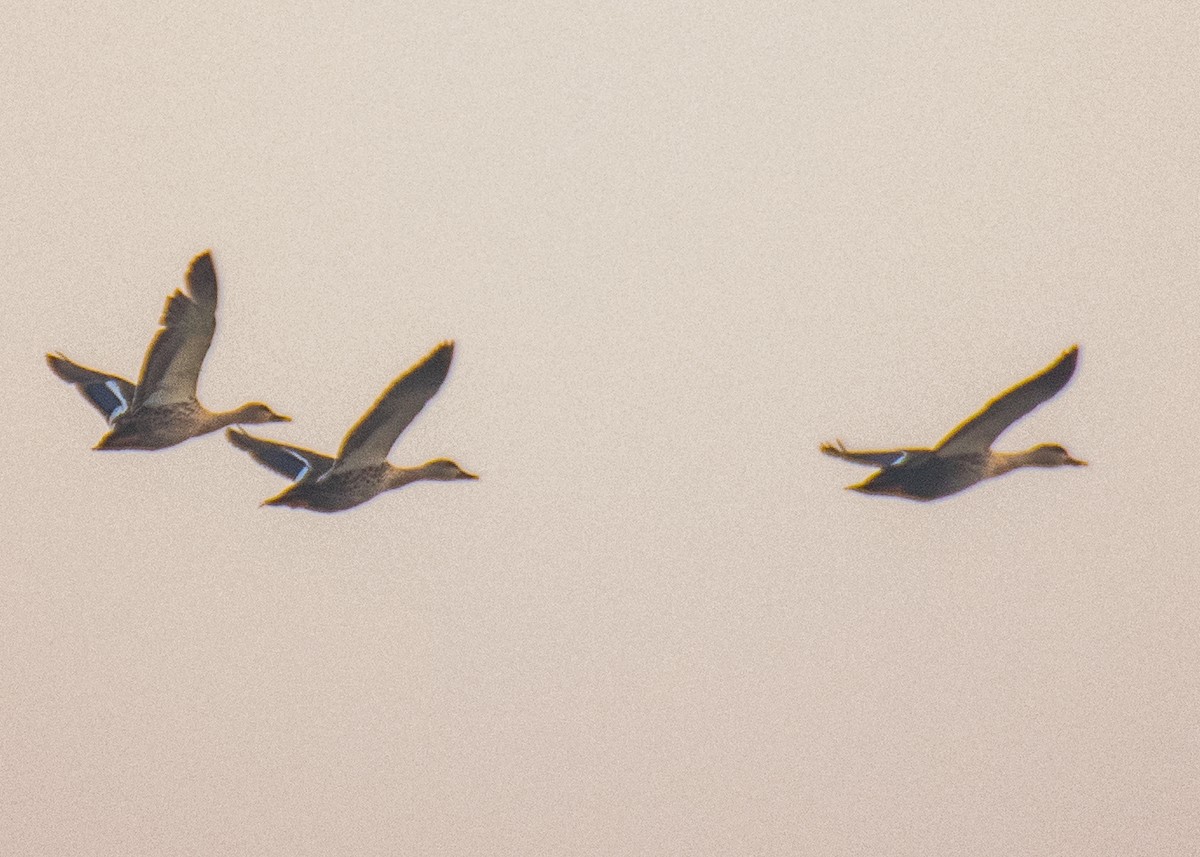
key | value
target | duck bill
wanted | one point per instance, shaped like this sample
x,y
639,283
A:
x,y
1076,462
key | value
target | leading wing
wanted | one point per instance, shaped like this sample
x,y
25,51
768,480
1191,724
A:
x,y
372,437
976,434
172,364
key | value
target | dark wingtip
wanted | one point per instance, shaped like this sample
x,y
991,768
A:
x,y
836,449
202,277
1071,357
58,363
443,352
435,364
239,437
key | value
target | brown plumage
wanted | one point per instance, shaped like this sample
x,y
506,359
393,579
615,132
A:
x,y
361,470
964,457
161,410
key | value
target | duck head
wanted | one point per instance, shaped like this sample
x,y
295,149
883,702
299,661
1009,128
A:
x,y
444,470
257,412
1052,455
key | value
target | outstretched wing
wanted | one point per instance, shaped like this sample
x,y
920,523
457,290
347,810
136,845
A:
x,y
111,395
293,462
172,365
977,434
370,440
873,458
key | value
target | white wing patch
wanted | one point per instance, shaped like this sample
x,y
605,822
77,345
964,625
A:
x,y
116,391
900,459
303,470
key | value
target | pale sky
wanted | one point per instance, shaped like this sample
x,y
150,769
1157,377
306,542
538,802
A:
x,y
678,246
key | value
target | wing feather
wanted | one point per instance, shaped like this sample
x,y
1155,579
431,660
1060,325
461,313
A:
x,y
111,395
172,365
294,462
979,432
873,458
372,437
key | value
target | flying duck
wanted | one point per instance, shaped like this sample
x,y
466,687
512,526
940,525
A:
x,y
361,470
965,456
161,409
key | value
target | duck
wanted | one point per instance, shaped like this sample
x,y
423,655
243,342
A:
x,y
965,457
161,410
360,471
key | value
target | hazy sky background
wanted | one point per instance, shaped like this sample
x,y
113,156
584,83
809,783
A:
x,y
678,245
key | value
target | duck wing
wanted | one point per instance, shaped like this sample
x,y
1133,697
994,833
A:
x,y
372,437
172,365
976,434
294,462
111,395
873,458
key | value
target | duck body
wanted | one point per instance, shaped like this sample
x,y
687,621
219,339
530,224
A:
x,y
964,457
158,427
161,409
341,490
336,492
923,475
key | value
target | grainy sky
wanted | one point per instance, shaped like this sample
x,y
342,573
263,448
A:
x,y
678,245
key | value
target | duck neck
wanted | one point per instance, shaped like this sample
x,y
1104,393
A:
x,y
220,419
1000,463
398,477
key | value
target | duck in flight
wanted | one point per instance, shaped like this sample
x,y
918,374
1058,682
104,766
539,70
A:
x,y
161,410
965,456
361,470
